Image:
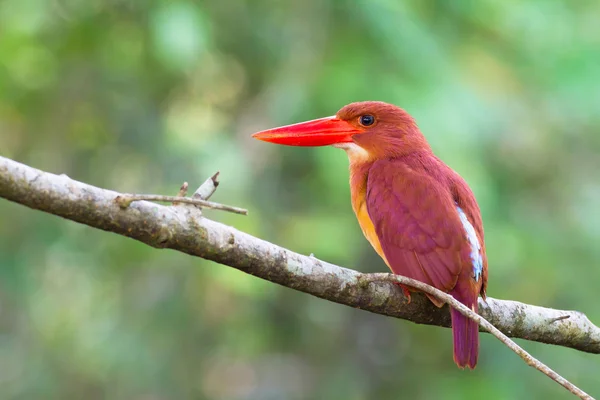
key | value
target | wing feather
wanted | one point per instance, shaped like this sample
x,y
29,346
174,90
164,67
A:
x,y
416,221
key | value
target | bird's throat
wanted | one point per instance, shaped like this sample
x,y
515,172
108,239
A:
x,y
356,154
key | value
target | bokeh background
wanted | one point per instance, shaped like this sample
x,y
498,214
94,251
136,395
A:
x,y
139,96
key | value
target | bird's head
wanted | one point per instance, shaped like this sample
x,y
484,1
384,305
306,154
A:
x,y
367,131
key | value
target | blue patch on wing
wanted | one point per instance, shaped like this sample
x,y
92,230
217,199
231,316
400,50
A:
x,y
474,242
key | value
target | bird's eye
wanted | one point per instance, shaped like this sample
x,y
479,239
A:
x,y
366,120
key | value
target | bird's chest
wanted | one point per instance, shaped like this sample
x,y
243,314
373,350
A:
x,y
359,205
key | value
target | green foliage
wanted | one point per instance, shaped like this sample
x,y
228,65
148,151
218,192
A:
x,y
139,96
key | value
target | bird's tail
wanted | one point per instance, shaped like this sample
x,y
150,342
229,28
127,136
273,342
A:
x,y
466,336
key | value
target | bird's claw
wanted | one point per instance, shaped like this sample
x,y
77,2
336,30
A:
x,y
405,291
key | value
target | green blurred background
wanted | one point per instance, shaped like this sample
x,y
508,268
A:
x,y
139,96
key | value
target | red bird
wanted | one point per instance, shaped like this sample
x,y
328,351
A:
x,y
419,215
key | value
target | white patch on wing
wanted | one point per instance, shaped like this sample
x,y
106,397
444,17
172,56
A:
x,y
474,242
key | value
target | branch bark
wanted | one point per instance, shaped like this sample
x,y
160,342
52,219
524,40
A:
x,y
186,230
487,327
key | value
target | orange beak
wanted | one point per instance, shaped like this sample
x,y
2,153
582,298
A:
x,y
318,132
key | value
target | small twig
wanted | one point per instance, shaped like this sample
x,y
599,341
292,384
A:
x,y
464,310
207,188
126,199
182,191
199,198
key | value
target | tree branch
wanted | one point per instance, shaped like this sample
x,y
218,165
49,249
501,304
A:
x,y
185,230
125,201
483,323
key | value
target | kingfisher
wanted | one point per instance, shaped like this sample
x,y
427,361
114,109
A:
x,y
418,214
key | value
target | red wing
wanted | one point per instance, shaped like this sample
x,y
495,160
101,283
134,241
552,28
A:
x,y
417,224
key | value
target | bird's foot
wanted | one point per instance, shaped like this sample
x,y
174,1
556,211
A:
x,y
405,291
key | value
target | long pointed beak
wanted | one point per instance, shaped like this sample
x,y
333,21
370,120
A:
x,y
318,132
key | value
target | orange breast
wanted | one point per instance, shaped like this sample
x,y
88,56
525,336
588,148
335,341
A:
x,y
368,229
359,206
360,164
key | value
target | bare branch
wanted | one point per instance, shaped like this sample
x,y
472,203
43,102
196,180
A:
x,y
467,312
207,188
177,228
183,190
125,200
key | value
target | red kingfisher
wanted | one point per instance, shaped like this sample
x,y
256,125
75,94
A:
x,y
419,215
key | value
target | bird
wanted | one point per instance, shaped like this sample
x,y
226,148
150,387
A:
x,y
418,214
